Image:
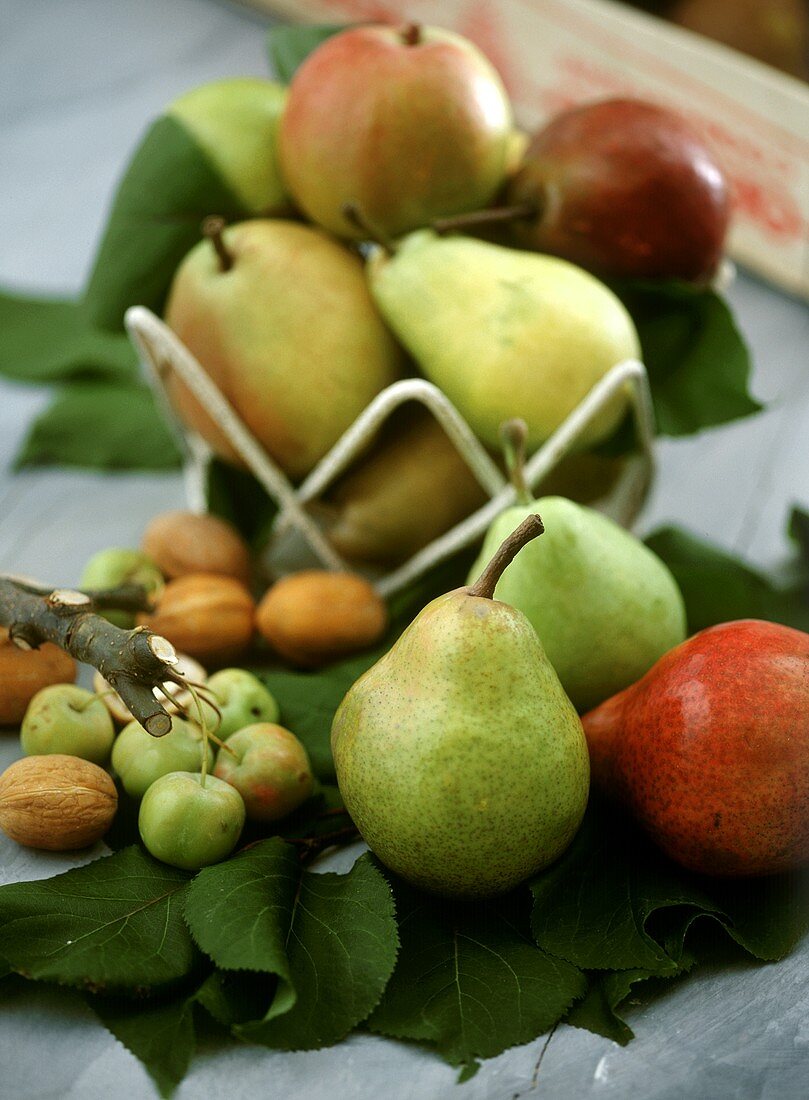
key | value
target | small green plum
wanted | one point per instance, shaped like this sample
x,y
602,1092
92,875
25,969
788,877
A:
x,y
139,759
188,822
243,700
64,718
118,565
269,767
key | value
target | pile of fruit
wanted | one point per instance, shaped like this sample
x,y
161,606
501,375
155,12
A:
x,y
463,746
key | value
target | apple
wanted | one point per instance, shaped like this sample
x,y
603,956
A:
x,y
242,699
190,823
64,718
116,566
407,122
623,188
269,768
139,759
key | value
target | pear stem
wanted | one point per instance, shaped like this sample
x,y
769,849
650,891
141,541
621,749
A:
x,y
411,34
486,583
213,227
477,218
513,437
353,212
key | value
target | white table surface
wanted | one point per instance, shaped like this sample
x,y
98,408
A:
x,y
79,81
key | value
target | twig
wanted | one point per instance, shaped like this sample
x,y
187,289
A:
x,y
131,661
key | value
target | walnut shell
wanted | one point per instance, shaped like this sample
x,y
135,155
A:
x,y
211,618
180,543
25,672
315,616
56,802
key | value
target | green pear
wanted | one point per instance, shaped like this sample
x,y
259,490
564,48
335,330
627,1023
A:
x,y
458,755
604,605
504,333
235,122
280,317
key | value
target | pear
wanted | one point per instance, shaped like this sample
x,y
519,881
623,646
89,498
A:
x,y
458,755
235,122
412,487
504,333
280,317
603,604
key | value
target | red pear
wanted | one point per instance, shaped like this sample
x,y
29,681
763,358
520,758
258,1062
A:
x,y
623,188
710,749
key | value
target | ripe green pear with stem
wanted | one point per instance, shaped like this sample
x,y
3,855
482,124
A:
x,y
458,755
502,332
235,122
604,606
280,317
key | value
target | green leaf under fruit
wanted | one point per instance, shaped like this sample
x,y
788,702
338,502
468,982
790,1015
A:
x,y
330,940
101,425
45,340
288,46
239,497
718,587
169,187
115,923
160,1034
469,980
698,362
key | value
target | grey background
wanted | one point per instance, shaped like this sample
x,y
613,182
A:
x,y
79,82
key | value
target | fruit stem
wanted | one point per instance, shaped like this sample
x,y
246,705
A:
x,y
513,437
213,227
493,216
353,212
486,583
411,34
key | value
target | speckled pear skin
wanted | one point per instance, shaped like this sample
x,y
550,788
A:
x,y
459,756
605,606
710,750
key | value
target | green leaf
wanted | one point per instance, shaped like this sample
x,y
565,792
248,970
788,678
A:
x,y
160,1034
768,917
719,588
698,362
44,340
592,906
102,425
469,980
168,188
598,1012
289,46
114,923
330,939
240,498
235,997
308,701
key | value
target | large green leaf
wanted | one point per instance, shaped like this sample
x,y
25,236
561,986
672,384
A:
x,y
114,923
698,362
288,46
45,340
718,587
159,1033
330,939
102,425
169,187
469,980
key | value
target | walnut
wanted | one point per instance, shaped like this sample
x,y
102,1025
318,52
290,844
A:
x,y
25,672
56,802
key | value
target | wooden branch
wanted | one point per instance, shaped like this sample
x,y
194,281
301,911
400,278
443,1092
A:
x,y
132,661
